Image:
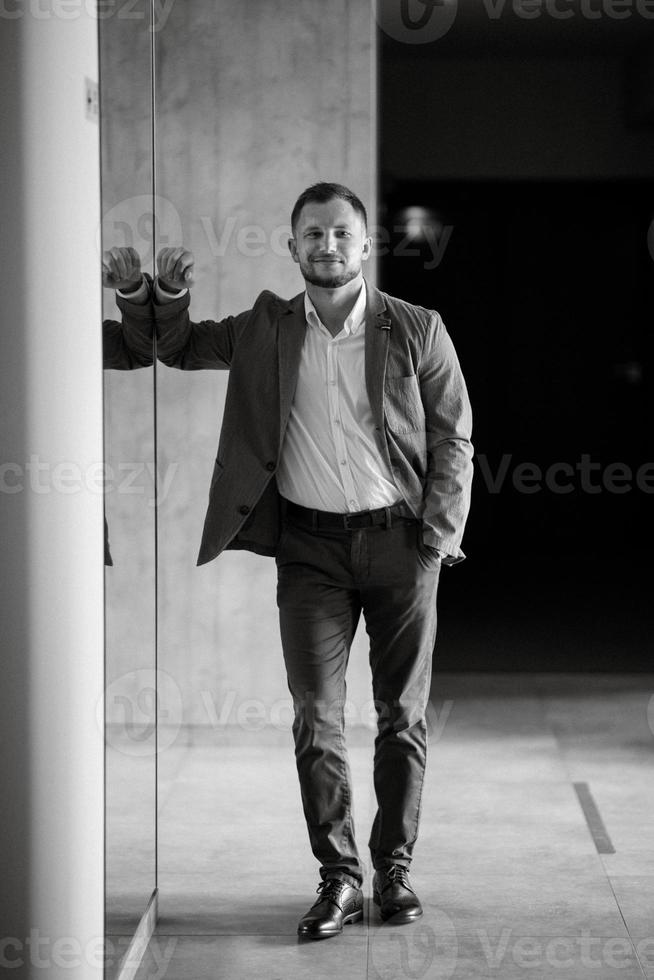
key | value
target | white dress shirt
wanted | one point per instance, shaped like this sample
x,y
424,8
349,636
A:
x,y
329,458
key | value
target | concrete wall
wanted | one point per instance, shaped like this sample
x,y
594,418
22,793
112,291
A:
x,y
51,845
254,102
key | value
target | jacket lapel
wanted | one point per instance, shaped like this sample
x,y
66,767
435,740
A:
x,y
378,328
291,327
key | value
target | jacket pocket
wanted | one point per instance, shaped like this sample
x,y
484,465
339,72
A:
x,y
403,405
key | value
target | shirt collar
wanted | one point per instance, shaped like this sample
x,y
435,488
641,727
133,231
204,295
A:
x,y
352,323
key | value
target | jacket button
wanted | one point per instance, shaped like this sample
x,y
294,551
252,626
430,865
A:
x,y
271,466
244,509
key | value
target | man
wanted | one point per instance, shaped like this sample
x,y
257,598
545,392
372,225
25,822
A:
x,y
345,452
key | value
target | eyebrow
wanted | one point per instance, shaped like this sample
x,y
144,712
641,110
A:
x,y
319,227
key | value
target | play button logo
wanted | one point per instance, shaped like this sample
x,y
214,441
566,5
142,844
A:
x,y
416,21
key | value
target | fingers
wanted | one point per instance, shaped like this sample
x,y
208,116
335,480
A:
x,y
175,265
107,274
120,261
120,265
134,256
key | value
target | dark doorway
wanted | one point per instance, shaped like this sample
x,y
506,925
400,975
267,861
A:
x,y
548,294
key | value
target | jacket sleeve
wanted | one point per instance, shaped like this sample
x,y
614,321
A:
x,y
117,354
181,343
448,417
128,344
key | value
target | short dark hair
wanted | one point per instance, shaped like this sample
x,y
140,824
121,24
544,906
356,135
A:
x,y
321,193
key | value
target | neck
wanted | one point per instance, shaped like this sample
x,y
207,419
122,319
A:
x,y
334,305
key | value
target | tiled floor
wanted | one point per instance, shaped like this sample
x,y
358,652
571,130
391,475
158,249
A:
x,y
509,875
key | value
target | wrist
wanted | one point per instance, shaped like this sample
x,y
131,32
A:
x,y
132,287
166,287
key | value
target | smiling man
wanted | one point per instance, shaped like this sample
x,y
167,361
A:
x,y
345,453
330,242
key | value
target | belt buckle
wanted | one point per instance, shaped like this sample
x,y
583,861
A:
x,y
361,519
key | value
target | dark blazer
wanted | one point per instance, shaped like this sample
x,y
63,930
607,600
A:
x,y
128,344
417,395
126,347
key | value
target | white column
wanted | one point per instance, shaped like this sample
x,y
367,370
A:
x,y
51,571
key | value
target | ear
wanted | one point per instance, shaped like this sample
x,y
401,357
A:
x,y
292,247
366,248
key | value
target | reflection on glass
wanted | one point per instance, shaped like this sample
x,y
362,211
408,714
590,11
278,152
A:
x,y
129,425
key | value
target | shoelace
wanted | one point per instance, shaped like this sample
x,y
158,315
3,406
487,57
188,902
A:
x,y
397,875
330,890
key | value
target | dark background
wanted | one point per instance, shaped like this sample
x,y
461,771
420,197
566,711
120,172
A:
x,y
536,151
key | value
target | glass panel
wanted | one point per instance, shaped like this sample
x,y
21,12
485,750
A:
x,y
126,116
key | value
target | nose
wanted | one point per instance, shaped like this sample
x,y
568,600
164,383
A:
x,y
329,244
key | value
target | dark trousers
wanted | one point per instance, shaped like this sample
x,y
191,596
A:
x,y
326,578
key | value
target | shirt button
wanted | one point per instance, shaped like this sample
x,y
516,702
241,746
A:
x,y
342,462
244,509
337,421
270,466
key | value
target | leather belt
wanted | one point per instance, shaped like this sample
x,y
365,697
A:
x,y
316,519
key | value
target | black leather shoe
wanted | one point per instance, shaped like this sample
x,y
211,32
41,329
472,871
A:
x,y
396,898
338,903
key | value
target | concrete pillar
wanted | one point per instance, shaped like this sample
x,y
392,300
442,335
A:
x,y
255,101
51,761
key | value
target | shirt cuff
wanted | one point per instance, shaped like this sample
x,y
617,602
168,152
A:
x,y
163,296
140,295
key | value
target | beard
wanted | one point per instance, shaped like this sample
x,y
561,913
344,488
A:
x,y
328,282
